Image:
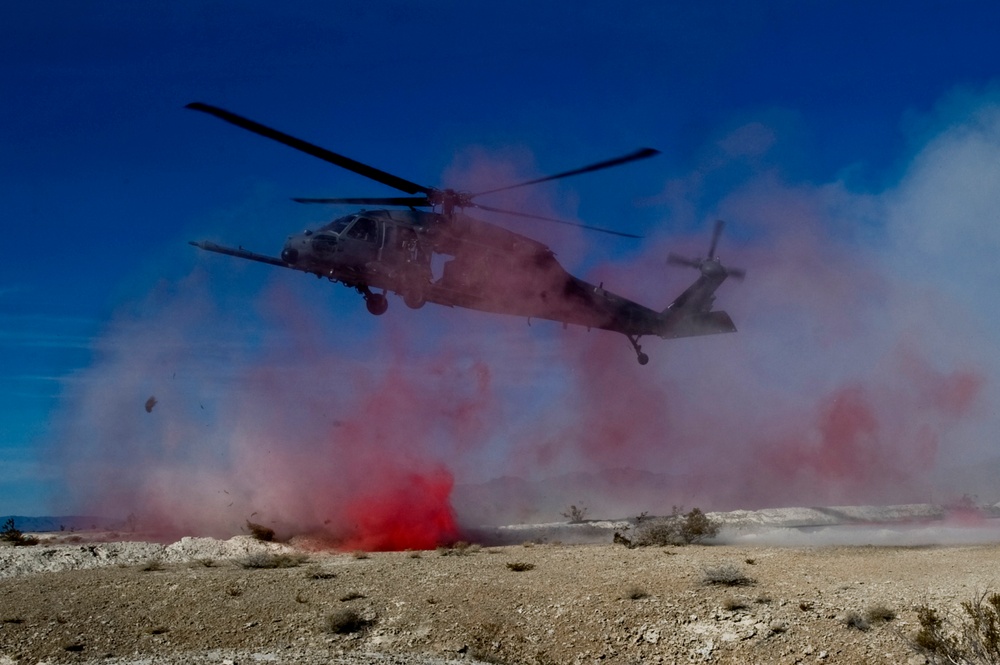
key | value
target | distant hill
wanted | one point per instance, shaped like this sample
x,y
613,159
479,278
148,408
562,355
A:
x,y
58,523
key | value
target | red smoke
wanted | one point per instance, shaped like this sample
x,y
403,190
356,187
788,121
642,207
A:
x,y
382,432
405,512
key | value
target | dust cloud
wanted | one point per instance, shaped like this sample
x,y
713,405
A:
x,y
862,373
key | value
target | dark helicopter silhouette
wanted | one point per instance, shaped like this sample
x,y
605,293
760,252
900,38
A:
x,y
482,266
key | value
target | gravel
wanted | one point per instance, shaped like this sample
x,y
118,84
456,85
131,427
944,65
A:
x,y
195,601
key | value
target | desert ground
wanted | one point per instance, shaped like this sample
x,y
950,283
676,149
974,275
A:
x,y
556,595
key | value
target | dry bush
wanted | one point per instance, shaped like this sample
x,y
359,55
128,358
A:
x,y
879,614
10,534
459,548
575,515
635,593
520,566
726,575
317,573
259,560
260,532
854,620
346,621
974,641
733,604
697,527
152,565
676,529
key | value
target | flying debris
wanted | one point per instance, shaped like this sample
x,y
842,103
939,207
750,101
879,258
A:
x,y
485,267
150,403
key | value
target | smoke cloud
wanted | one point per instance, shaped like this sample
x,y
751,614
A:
x,y
862,372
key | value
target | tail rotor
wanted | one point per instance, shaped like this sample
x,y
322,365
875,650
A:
x,y
710,266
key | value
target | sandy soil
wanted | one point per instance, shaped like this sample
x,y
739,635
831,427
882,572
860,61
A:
x,y
196,601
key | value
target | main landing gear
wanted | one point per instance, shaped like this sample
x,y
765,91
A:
x,y
376,303
640,356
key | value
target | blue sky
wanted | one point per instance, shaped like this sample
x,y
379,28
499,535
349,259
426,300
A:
x,y
104,176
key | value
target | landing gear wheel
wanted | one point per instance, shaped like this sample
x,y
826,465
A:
x,y
377,304
639,355
414,299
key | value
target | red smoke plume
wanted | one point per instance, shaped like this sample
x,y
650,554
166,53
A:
x,y
317,418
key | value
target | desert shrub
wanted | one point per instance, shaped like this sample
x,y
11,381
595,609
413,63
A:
x,y
697,527
152,565
485,640
575,514
726,575
974,641
346,621
360,555
260,532
10,534
459,548
732,604
269,560
635,593
520,566
317,573
806,605
878,614
855,620
658,531
676,529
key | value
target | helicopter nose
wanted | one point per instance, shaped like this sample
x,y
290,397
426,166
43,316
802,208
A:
x,y
290,255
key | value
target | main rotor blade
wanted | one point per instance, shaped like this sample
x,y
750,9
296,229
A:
x,y
557,221
677,260
715,237
412,201
304,146
631,157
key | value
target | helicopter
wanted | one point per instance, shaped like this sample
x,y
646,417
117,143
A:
x,y
446,257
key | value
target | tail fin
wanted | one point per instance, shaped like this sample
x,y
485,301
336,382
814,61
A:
x,y
700,323
691,312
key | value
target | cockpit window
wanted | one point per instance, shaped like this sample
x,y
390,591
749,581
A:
x,y
364,229
338,225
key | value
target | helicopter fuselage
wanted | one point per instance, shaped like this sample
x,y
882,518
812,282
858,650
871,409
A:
x,y
460,261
